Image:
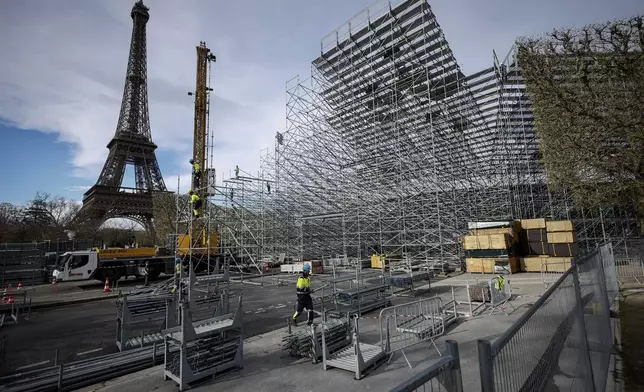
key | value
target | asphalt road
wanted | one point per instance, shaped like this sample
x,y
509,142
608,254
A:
x,y
87,330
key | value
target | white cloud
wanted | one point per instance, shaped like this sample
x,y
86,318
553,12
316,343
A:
x,y
65,75
63,64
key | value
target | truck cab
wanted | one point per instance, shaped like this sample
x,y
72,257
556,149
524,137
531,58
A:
x,y
77,265
113,263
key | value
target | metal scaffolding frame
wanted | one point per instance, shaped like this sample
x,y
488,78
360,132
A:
x,y
389,148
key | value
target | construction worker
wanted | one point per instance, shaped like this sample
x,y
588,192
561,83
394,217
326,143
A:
x,y
304,300
236,171
268,187
196,202
196,173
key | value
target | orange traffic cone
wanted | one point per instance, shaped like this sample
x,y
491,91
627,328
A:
x,y
10,302
106,288
19,285
267,268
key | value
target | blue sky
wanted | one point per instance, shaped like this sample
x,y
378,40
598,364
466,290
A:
x,y
63,67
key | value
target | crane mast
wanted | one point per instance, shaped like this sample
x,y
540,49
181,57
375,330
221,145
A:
x,y
201,115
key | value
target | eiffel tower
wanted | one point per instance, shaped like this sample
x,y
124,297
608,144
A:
x,y
131,145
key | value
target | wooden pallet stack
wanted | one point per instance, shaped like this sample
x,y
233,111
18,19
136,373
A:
x,y
490,247
547,243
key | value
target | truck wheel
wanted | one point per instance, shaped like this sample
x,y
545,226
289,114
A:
x,y
112,273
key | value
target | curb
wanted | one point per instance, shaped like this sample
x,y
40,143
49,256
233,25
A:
x,y
56,304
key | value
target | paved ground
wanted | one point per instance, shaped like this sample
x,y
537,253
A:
x,y
267,368
88,329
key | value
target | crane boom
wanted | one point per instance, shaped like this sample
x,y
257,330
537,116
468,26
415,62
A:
x,y
201,102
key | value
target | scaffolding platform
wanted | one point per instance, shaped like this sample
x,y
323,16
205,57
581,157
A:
x,y
357,358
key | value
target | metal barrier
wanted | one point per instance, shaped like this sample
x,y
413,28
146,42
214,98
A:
x,y
629,269
552,272
567,330
406,325
443,375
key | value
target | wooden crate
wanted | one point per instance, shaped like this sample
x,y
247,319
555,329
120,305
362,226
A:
x,y
510,265
532,263
486,265
562,237
480,266
533,224
488,241
496,230
564,225
559,264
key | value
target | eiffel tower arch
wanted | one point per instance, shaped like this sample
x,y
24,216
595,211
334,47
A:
x,y
131,145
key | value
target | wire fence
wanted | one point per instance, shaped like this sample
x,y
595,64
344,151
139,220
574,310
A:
x,y
567,332
443,375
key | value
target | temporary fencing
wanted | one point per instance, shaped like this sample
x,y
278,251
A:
x,y
567,330
552,272
443,375
406,325
22,263
630,270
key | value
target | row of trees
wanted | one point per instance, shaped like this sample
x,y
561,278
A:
x,y
48,217
587,89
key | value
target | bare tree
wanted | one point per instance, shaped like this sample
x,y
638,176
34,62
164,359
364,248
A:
x,y
587,88
50,215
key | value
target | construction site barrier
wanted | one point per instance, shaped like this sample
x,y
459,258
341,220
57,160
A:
x,y
406,325
567,330
629,270
442,375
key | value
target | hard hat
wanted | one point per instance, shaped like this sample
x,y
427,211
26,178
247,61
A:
x,y
190,192
177,260
192,161
306,267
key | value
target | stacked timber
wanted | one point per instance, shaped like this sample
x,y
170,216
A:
x,y
548,246
490,247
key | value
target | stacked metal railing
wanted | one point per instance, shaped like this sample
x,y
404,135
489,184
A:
x,y
79,374
22,263
307,342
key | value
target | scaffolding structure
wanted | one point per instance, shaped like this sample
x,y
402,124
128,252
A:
x,y
390,149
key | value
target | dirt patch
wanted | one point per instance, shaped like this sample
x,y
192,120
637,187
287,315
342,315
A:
x,y
631,310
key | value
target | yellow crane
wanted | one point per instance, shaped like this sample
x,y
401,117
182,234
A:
x,y
201,95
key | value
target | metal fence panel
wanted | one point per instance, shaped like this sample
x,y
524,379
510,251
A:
x,y
405,325
443,375
563,341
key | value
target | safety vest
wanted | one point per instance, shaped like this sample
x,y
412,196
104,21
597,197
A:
x,y
178,268
196,168
499,283
194,198
303,285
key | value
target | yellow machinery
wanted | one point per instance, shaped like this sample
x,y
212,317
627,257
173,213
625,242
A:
x,y
199,231
183,244
118,253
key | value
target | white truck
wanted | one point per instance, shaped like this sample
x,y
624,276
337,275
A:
x,y
113,263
